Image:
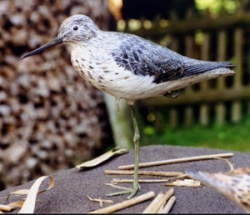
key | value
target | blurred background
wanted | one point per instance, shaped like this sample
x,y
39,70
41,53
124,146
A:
x,y
51,119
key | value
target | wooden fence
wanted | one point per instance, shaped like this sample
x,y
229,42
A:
x,y
219,39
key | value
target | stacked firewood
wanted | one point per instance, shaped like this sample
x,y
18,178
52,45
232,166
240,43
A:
x,y
50,118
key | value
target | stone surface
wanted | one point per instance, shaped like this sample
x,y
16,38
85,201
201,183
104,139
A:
x,y
72,186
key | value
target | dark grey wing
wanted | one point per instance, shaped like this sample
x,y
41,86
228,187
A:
x,y
143,57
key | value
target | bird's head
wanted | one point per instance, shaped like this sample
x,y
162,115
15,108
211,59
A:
x,y
76,28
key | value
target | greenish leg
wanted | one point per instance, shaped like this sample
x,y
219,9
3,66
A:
x,y
136,139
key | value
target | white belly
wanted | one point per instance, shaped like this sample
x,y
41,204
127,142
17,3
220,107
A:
x,y
107,76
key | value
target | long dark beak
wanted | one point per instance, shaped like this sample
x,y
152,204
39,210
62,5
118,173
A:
x,y
53,42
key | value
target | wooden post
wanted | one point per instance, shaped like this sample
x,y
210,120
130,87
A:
x,y
173,114
204,108
189,118
220,109
236,106
188,112
173,117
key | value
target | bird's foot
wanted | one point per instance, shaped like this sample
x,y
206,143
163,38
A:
x,y
125,190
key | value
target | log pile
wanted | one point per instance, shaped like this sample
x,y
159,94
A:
x,y
49,117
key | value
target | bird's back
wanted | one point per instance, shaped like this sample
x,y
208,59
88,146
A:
x,y
143,57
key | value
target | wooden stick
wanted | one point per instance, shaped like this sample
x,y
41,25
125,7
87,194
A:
x,y
5,208
126,203
153,203
178,160
185,183
161,201
152,173
125,180
101,201
165,209
170,179
228,162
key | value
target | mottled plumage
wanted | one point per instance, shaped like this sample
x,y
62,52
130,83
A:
x,y
234,184
130,67
160,62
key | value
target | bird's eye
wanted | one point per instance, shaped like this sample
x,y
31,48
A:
x,y
75,28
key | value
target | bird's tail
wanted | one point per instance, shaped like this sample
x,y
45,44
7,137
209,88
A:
x,y
223,68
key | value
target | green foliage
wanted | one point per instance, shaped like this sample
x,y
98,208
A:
x,y
227,136
215,6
